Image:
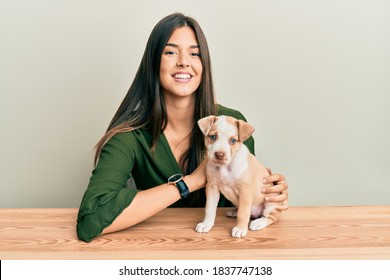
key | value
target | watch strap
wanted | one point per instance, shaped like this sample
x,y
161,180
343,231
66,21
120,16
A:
x,y
183,188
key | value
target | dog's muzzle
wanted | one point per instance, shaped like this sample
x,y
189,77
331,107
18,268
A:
x,y
219,158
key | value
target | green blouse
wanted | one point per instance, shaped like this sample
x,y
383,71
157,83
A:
x,y
128,155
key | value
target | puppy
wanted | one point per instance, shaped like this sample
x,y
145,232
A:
x,y
233,171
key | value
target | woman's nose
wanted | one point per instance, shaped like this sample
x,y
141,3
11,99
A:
x,y
183,61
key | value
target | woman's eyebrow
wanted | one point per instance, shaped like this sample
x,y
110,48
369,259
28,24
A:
x,y
176,46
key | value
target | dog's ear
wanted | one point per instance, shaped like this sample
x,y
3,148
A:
x,y
206,123
245,130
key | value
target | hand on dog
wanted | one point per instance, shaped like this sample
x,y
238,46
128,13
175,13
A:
x,y
280,187
197,179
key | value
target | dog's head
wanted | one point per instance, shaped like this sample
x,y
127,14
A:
x,y
223,137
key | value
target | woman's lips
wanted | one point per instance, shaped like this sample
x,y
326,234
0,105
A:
x,y
182,77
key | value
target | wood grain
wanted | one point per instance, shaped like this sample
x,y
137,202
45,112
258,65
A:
x,y
356,232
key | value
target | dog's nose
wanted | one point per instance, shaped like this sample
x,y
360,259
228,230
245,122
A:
x,y
219,155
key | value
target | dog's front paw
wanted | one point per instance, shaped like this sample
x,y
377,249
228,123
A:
x,y
259,224
239,232
203,227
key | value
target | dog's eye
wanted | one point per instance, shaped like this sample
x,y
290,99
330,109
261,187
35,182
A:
x,y
213,137
233,141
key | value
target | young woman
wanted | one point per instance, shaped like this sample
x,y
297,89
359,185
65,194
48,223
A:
x,y
154,135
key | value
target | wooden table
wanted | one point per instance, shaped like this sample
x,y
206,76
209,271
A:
x,y
357,232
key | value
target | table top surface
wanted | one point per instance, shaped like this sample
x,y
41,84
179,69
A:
x,y
352,232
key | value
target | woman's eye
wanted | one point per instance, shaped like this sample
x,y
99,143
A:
x,y
169,53
213,137
195,54
233,141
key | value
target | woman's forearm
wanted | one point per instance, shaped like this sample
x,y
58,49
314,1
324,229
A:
x,y
149,202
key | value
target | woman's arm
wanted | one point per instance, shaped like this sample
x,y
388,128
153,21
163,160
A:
x,y
149,202
109,205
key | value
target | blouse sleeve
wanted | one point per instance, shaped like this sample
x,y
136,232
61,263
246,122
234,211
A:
x,y
107,194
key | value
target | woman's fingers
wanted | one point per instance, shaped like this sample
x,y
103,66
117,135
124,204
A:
x,y
274,178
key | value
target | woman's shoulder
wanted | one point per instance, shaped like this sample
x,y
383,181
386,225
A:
x,y
222,110
130,139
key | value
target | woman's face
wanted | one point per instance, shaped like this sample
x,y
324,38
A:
x,y
181,65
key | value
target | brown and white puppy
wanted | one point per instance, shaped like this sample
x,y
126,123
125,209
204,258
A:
x,y
233,171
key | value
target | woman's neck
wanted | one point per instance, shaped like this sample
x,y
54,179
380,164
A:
x,y
180,113
180,124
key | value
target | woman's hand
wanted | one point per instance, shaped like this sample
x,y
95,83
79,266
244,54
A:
x,y
280,187
197,179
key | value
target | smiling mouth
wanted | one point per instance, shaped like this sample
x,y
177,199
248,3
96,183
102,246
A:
x,y
181,76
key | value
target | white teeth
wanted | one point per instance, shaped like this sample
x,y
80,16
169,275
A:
x,y
182,76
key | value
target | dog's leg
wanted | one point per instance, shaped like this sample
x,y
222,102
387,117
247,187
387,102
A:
x,y
270,215
243,216
212,194
255,213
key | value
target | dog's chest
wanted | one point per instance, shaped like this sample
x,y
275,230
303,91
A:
x,y
227,174
226,177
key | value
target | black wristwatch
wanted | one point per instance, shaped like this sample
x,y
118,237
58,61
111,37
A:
x,y
178,181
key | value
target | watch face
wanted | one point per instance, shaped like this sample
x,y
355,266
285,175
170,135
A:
x,y
175,178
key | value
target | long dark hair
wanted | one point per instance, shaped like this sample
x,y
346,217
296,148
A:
x,y
144,106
